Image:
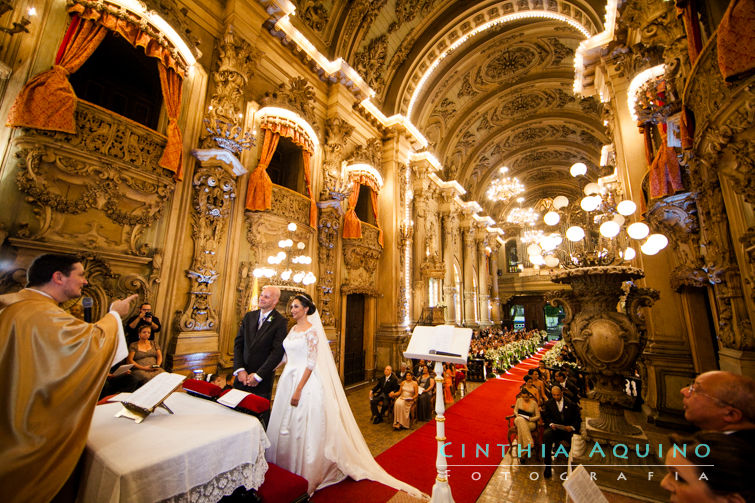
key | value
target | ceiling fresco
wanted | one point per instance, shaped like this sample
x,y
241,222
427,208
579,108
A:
x,y
489,84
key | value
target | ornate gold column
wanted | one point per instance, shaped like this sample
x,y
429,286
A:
x,y
483,297
495,300
421,187
450,245
198,342
470,248
196,345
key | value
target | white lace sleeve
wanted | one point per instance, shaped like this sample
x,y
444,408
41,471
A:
x,y
311,349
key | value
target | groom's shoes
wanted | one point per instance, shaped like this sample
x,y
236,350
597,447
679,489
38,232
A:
x,y
377,420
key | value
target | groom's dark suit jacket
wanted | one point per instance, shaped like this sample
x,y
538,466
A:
x,y
259,350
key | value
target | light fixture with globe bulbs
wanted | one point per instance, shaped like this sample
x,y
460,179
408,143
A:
x,y
597,232
288,264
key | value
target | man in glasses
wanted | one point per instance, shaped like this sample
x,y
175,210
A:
x,y
720,401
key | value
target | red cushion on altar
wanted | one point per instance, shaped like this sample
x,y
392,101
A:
x,y
203,388
252,403
282,486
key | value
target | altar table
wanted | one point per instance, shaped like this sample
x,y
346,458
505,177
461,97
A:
x,y
200,453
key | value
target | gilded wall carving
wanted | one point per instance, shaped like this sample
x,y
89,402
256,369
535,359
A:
x,y
63,186
314,13
214,192
360,260
370,62
290,205
329,226
723,154
109,137
297,95
234,66
370,153
676,218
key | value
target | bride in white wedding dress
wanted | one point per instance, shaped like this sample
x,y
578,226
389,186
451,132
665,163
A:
x,y
312,431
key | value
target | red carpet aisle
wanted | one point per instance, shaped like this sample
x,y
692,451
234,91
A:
x,y
479,418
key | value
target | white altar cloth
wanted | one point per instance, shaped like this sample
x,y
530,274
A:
x,y
202,452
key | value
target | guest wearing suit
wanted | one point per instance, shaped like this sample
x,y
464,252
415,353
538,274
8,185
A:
x,y
561,418
380,393
569,386
258,348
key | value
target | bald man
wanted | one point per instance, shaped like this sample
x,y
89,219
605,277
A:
x,y
720,401
258,347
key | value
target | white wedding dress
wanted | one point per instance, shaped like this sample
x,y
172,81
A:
x,y
319,438
297,434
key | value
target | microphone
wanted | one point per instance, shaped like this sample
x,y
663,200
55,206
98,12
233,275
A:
x,y
443,353
87,303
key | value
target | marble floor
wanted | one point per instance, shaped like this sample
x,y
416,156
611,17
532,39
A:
x,y
511,483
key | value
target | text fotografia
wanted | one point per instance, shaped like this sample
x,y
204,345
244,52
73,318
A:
x,y
620,451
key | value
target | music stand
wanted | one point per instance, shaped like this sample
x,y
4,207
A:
x,y
441,343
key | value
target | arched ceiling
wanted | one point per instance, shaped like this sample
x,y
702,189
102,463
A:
x,y
488,83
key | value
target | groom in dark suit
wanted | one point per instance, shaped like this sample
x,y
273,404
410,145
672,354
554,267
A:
x,y
258,347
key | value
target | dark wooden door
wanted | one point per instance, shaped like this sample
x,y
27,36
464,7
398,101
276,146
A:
x,y
353,358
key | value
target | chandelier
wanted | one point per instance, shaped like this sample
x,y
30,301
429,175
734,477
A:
x,y
523,216
504,187
288,263
597,232
532,236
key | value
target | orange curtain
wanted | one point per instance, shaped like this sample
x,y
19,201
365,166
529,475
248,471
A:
x,y
646,134
373,198
687,128
48,101
129,27
306,156
665,174
352,227
172,158
259,192
736,39
687,10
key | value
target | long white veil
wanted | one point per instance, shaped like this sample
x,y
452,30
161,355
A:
x,y
345,444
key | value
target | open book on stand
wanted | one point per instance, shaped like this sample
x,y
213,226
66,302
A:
x,y
151,395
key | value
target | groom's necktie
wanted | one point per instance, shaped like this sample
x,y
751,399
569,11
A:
x,y
263,317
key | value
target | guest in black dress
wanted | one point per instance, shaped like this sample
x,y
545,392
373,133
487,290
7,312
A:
x,y
426,400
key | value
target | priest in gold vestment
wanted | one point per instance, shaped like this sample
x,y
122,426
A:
x,y
52,368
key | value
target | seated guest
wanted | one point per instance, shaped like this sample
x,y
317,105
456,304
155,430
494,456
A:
x,y
426,400
723,475
530,386
568,385
143,317
720,401
405,397
402,372
527,415
145,355
562,418
123,383
545,374
418,368
380,394
537,381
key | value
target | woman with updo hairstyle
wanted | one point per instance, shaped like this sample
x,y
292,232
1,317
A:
x,y
711,467
312,430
